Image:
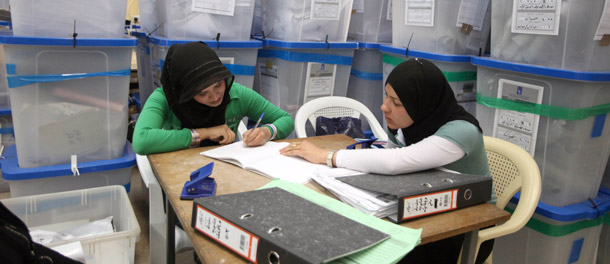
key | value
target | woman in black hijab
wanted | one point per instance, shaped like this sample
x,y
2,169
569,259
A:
x,y
427,129
200,105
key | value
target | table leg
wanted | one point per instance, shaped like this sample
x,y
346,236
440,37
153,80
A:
x,y
171,226
469,247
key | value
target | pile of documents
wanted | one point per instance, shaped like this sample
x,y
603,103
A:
x,y
372,203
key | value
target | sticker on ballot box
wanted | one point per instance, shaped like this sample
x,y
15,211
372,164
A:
x,y
226,233
430,203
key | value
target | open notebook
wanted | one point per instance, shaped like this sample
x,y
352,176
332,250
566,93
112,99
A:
x,y
267,161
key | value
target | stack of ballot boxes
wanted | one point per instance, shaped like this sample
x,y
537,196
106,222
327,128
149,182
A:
x,y
306,20
568,234
238,56
546,88
365,81
68,211
459,72
441,26
67,72
289,74
371,21
556,115
205,20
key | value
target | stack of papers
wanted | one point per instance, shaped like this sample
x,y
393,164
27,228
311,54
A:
x,y
372,203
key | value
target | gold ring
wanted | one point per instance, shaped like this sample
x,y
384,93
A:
x,y
294,145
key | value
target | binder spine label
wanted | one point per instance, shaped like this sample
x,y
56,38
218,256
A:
x,y
430,203
230,235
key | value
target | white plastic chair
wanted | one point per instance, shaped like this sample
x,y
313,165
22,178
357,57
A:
x,y
241,129
157,217
332,107
512,169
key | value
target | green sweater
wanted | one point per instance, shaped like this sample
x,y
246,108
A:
x,y
159,130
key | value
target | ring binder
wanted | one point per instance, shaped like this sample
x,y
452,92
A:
x,y
276,226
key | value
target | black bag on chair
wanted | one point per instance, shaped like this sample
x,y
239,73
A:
x,y
339,125
16,245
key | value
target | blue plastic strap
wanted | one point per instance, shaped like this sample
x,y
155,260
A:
x,y
238,69
23,80
305,57
576,249
11,69
6,130
367,75
598,125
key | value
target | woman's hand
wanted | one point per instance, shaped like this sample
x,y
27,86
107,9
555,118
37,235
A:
x,y
221,134
306,150
256,137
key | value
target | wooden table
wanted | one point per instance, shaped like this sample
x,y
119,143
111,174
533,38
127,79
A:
x,y
172,170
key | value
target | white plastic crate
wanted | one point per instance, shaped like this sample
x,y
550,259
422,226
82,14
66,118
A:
x,y
459,72
58,211
59,178
435,26
68,98
371,21
289,74
62,18
555,234
306,20
204,19
555,115
572,47
365,81
238,56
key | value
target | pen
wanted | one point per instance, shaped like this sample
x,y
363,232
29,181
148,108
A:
x,y
259,120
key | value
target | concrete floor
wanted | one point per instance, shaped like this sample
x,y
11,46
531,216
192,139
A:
x,y
138,196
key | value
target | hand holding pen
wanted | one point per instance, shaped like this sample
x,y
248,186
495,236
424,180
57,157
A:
x,y
256,136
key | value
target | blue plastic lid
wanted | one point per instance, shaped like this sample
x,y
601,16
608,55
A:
x,y
211,43
539,70
425,55
138,34
309,45
5,112
5,23
370,45
11,170
574,212
6,37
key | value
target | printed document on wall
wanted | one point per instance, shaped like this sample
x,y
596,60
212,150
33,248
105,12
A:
x,y
517,127
419,13
536,17
219,7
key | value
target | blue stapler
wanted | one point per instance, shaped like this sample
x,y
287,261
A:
x,y
200,184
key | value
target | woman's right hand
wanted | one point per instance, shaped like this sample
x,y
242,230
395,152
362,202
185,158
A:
x,y
221,134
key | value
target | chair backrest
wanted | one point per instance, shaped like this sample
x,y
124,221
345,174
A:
x,y
335,106
241,129
513,169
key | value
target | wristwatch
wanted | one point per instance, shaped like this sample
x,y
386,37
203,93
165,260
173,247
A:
x,y
329,158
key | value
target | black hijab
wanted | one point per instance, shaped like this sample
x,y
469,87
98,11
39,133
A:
x,y
187,68
427,97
